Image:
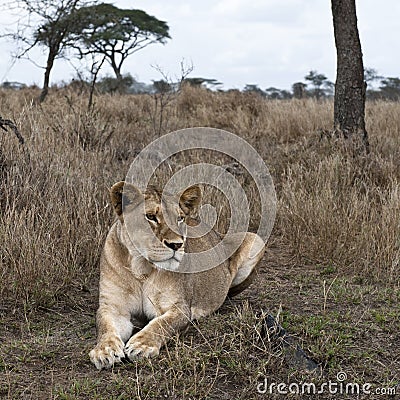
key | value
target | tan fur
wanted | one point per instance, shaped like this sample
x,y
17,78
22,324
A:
x,y
133,288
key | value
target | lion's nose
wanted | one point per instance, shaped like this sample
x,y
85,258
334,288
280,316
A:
x,y
173,245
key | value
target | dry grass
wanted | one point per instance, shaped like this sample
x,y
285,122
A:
x,y
334,209
337,214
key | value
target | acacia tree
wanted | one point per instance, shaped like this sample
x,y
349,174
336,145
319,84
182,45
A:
x,y
52,31
320,82
115,33
350,88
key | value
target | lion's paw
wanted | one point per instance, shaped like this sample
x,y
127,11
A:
x,y
136,348
108,351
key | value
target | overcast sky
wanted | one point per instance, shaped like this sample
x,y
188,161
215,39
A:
x,y
239,42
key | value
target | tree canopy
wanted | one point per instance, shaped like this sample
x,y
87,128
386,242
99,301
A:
x,y
115,33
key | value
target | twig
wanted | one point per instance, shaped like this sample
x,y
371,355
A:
x,y
326,291
166,94
94,71
7,123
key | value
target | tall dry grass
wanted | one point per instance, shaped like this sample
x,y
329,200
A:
x,y
334,209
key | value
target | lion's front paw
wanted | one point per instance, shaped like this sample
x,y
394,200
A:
x,y
108,351
140,347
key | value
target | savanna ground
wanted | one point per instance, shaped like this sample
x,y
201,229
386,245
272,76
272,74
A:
x,y
331,270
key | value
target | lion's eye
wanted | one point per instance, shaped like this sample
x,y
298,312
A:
x,y
180,218
152,217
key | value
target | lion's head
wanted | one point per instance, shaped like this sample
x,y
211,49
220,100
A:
x,y
155,221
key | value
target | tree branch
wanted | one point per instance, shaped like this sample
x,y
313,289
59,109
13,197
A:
x,y
7,123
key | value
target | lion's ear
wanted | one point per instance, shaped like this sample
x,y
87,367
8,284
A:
x,y
124,195
190,199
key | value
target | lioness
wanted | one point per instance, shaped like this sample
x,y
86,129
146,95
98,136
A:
x,y
138,281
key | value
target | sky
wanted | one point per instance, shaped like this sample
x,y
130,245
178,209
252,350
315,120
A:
x,y
238,42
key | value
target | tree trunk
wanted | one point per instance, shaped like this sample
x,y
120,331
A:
x,y
350,88
50,62
117,71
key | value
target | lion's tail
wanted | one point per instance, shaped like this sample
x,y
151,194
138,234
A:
x,y
234,290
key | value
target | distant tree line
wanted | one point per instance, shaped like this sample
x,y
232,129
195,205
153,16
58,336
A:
x,y
318,86
315,85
